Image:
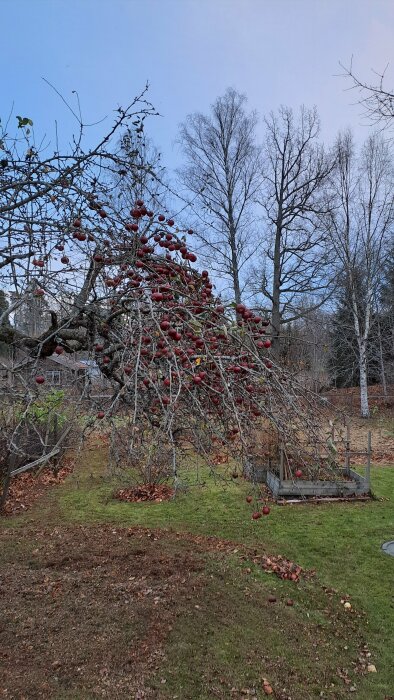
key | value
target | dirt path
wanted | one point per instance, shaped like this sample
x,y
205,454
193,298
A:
x,y
107,612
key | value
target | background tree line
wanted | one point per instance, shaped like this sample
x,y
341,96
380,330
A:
x,y
298,231
301,231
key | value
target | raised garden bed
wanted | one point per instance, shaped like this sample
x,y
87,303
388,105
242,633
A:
x,y
336,481
353,485
347,483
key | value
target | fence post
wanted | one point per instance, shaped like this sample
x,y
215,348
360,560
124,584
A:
x,y
347,448
368,465
281,462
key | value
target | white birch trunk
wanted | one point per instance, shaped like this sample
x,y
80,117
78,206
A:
x,y
364,405
362,342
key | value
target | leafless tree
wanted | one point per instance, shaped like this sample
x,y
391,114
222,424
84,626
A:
x,y
295,173
223,173
305,346
144,175
360,224
376,100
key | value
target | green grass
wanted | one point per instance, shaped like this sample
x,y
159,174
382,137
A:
x,y
341,541
237,638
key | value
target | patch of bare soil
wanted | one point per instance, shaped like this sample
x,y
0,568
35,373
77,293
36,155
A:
x,y
85,613
26,488
88,613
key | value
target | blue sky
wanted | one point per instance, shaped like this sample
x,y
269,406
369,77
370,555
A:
x,y
276,51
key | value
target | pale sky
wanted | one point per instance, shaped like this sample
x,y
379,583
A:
x,y
276,51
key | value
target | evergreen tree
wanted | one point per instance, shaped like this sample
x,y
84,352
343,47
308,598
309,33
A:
x,y
386,319
387,288
3,307
3,301
343,355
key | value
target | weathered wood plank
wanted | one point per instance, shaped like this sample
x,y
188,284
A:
x,y
40,460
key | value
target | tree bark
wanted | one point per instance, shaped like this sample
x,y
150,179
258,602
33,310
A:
x,y
363,381
5,487
275,312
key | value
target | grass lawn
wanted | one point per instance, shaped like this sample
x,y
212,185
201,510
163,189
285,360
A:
x,y
224,644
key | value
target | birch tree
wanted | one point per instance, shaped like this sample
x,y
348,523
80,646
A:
x,y
296,171
360,224
223,173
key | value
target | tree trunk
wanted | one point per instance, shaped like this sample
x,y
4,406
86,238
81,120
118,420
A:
x,y
236,285
364,406
5,487
5,481
275,313
234,256
362,341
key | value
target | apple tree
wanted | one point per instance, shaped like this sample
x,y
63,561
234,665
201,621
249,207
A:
x,y
123,288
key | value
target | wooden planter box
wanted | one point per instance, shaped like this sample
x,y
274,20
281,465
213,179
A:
x,y
356,486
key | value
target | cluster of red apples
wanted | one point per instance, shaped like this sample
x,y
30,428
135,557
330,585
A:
x,y
178,355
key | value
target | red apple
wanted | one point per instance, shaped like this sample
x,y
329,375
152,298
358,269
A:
x,y
266,510
40,379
